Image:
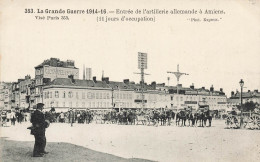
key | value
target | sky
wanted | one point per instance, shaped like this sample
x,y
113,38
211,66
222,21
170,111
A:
x,y
212,53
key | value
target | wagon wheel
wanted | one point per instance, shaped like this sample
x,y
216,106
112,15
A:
x,y
246,120
236,122
254,122
229,122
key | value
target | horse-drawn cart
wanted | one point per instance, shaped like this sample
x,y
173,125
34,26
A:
x,y
249,120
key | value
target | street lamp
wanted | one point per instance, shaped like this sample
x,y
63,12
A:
x,y
241,96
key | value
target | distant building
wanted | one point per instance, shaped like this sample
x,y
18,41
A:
x,y
64,93
57,85
248,96
5,97
52,69
20,93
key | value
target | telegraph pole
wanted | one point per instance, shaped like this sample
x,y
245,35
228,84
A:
x,y
178,74
142,64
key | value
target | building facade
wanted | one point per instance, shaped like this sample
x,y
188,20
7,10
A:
x,y
248,96
5,95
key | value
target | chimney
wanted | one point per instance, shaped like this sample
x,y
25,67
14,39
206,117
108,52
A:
x,y
203,88
256,90
72,78
179,85
211,88
126,81
95,79
192,86
221,89
153,85
232,93
106,79
27,77
249,91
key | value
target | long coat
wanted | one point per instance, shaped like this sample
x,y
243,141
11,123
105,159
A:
x,y
38,122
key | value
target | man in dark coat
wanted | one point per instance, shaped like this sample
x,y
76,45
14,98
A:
x,y
39,125
71,116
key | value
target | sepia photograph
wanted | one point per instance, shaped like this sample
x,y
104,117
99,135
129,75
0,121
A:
x,y
130,81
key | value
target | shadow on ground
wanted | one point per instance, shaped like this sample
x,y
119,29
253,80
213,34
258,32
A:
x,y
22,151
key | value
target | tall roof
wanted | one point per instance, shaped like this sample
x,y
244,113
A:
x,y
57,63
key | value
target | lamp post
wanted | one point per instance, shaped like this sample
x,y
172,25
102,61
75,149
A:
x,y
241,96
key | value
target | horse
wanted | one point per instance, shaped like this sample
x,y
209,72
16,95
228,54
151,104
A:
x,y
162,117
208,117
199,116
131,117
155,118
181,116
191,119
169,115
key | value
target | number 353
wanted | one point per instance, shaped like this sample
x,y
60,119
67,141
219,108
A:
x,y
27,10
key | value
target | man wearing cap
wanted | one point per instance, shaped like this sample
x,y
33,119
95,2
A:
x,y
39,125
71,116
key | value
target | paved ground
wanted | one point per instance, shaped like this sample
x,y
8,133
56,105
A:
x,y
105,142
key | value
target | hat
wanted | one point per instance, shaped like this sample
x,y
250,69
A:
x,y
39,106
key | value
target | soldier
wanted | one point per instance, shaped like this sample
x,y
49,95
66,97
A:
x,y
38,130
71,116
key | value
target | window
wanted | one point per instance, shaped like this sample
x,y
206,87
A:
x,y
97,96
70,95
64,94
56,94
107,95
171,97
50,94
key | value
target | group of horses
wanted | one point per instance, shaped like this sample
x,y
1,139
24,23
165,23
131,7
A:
x,y
156,117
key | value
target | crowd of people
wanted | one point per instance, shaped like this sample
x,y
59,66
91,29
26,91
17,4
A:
x,y
11,117
113,116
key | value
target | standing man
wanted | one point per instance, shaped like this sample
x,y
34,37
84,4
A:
x,y
71,116
13,117
62,116
39,125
